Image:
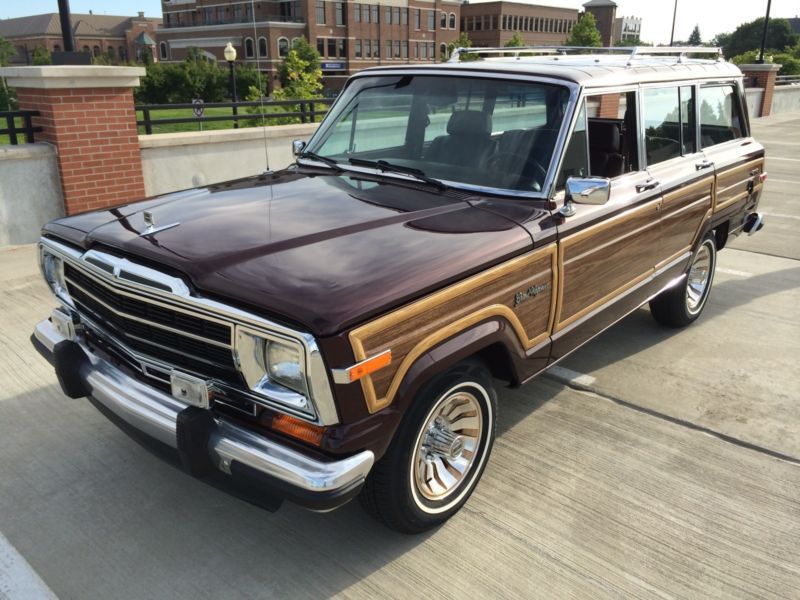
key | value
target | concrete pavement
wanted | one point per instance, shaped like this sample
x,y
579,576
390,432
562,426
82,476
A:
x,y
651,473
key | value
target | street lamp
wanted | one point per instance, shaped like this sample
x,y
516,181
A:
x,y
230,56
760,60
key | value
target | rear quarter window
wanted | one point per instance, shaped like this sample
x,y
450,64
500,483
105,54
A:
x,y
720,115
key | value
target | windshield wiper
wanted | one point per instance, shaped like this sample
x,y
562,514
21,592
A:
x,y
323,159
384,166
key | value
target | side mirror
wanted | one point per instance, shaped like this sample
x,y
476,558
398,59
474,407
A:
x,y
298,146
588,190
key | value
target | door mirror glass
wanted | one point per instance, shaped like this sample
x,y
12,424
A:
x,y
588,190
298,146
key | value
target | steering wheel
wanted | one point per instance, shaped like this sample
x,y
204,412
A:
x,y
531,169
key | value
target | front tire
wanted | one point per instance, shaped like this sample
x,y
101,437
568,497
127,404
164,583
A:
x,y
680,305
438,453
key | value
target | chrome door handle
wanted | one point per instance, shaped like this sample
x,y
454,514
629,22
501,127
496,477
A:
x,y
706,164
650,184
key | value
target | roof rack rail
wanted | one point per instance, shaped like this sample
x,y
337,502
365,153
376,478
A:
x,y
632,51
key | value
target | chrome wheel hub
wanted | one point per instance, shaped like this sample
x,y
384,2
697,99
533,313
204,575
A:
x,y
447,445
698,278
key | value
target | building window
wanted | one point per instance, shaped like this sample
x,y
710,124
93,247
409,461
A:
x,y
423,51
396,46
443,21
320,10
388,17
417,19
365,13
375,13
321,46
443,52
404,15
56,48
431,20
96,51
342,48
208,16
237,13
388,48
452,20
405,49
86,49
162,51
376,49
396,15
262,46
220,14
367,49
283,47
432,51
357,48
123,53
356,13
331,48
340,16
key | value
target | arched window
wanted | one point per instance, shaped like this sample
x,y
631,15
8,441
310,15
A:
x,y
294,41
249,49
283,47
452,20
262,46
56,48
86,49
123,55
162,51
96,51
443,21
442,52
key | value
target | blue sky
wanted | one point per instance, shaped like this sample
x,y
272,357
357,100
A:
x,y
713,16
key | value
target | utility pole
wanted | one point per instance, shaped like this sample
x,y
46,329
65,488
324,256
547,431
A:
x,y
674,14
760,60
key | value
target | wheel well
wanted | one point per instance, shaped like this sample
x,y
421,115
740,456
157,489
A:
x,y
721,234
497,359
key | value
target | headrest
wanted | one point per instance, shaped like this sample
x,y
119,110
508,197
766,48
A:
x,y
604,135
469,122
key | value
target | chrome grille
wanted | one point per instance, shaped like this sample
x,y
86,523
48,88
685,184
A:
x,y
154,330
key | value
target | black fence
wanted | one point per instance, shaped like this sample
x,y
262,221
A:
x,y
12,128
308,111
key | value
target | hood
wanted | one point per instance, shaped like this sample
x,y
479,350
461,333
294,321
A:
x,y
325,251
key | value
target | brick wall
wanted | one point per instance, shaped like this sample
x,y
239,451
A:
x,y
762,76
98,146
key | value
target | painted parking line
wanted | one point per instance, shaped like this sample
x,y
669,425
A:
x,y
783,158
18,580
781,216
733,272
569,376
782,181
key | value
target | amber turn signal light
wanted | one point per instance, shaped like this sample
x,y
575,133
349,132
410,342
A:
x,y
298,429
362,369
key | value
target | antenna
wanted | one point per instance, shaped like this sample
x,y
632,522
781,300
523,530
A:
x,y
260,82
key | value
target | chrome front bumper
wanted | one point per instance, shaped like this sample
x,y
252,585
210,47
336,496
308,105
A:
x,y
233,450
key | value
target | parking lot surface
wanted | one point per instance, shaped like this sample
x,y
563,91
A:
x,y
652,463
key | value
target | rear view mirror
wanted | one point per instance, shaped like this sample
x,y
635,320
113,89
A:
x,y
297,147
588,190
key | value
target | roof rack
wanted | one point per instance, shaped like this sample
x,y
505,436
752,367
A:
x,y
633,52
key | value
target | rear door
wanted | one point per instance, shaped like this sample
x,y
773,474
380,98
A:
x,y
725,140
672,158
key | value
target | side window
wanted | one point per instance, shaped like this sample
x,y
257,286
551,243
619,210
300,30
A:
x,y
669,123
611,123
720,118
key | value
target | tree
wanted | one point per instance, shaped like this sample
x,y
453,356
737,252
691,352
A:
x,y
585,32
305,52
516,41
462,41
302,80
694,37
41,56
748,37
7,51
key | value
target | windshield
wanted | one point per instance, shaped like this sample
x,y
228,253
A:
x,y
479,132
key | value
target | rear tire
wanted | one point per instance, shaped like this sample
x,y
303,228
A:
x,y
680,305
438,453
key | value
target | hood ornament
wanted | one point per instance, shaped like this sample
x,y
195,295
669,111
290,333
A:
x,y
150,224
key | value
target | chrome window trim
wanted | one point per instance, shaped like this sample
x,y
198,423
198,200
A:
x,y
320,392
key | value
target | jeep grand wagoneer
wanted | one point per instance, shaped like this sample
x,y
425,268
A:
x,y
338,328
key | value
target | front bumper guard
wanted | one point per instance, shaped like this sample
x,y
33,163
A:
x,y
244,456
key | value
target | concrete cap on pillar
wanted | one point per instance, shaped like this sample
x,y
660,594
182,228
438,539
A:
x,y
72,76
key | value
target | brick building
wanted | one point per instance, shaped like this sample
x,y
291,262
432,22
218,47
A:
x,y
605,13
349,36
627,28
490,24
120,38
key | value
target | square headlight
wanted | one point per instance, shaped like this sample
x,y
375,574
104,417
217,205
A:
x,y
53,271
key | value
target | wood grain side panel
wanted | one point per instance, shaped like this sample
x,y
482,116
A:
x,y
680,222
602,260
732,182
412,330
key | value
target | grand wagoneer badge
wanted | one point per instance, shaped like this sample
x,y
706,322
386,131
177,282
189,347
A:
x,y
531,292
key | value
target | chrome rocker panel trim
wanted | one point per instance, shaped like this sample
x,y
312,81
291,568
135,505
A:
x,y
154,413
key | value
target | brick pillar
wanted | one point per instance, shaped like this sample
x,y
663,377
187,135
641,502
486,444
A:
x,y
609,106
87,113
762,76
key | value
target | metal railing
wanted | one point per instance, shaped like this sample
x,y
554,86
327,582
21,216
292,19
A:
x,y
787,80
679,53
306,110
12,130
